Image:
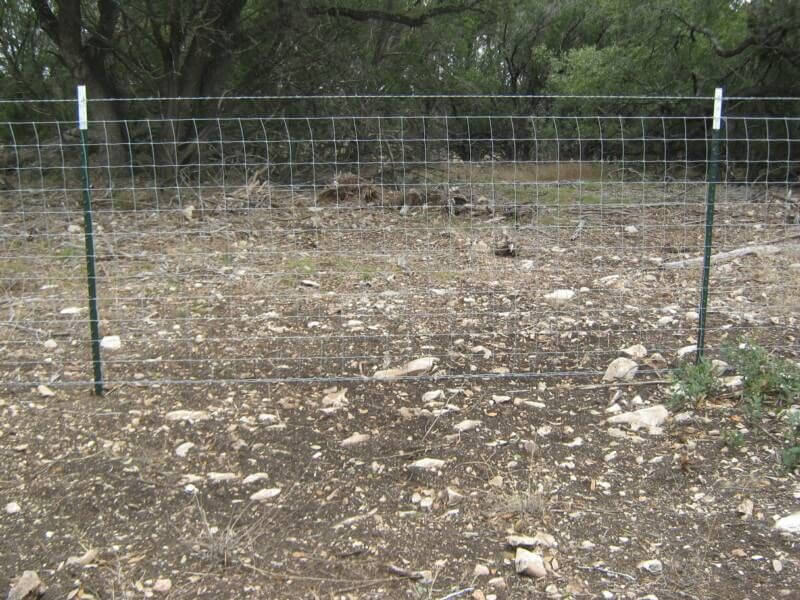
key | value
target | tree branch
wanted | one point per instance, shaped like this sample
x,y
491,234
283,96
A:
x,y
720,50
47,20
358,14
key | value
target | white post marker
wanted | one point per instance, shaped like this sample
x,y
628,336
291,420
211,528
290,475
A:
x,y
83,120
717,108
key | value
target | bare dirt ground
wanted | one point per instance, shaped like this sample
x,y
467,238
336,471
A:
x,y
305,482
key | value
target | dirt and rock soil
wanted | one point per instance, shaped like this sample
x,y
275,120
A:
x,y
316,479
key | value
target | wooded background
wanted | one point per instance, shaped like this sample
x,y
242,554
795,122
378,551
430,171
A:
x,y
185,50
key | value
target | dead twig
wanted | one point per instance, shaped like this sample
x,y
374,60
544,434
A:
x,y
605,571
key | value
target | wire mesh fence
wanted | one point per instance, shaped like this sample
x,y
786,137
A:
x,y
370,245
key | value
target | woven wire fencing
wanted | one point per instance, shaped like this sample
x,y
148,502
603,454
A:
x,y
369,245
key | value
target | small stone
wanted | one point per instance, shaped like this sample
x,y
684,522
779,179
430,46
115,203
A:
x,y
487,354
529,563
265,494
686,350
355,440
732,382
789,524
496,481
183,449
631,229
454,496
432,396
621,369
560,296
653,566
27,587
427,464
636,352
192,416
745,508
111,342
255,477
607,595
466,425
691,316
480,570
542,539
587,545
497,583
417,366
45,392
777,565
656,360
51,344
13,508
651,417
162,586
221,477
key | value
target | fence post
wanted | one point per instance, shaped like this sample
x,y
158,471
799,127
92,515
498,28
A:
x,y
94,318
713,176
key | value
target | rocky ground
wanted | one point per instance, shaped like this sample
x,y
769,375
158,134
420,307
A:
x,y
265,434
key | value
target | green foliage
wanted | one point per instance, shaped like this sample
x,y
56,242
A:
x,y
766,379
791,454
400,46
732,439
770,381
693,384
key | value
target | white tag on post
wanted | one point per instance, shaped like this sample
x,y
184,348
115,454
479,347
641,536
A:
x,y
717,109
83,120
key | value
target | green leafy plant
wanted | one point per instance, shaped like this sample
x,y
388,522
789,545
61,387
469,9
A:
x,y
692,384
766,379
774,382
732,439
790,457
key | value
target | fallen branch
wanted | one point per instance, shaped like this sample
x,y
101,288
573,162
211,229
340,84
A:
x,y
723,256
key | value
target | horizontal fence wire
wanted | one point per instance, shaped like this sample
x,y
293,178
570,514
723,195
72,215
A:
x,y
330,248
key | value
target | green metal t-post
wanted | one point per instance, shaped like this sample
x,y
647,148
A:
x,y
713,176
91,273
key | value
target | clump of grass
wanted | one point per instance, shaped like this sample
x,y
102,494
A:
x,y
774,382
693,384
766,379
768,382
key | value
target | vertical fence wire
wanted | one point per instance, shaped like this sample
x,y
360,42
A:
x,y
329,247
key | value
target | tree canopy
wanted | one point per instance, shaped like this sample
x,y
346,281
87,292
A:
x,y
194,48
